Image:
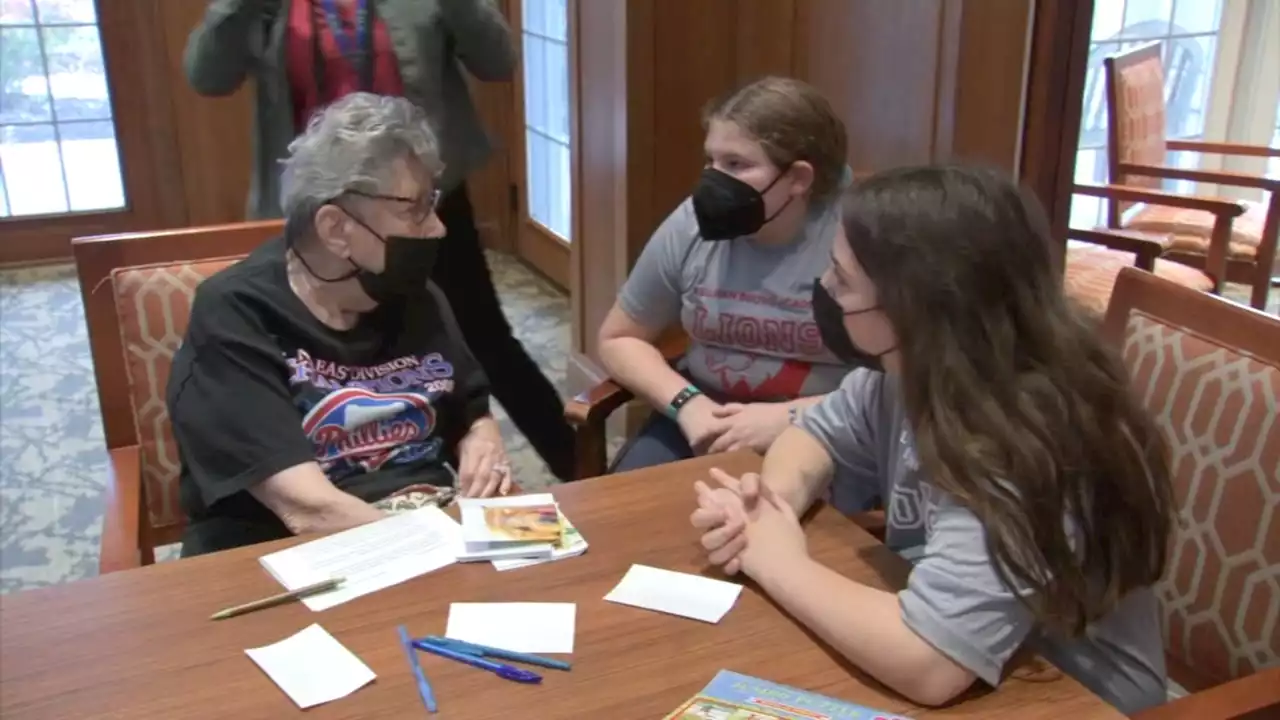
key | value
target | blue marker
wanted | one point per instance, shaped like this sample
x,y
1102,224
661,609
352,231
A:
x,y
424,687
506,672
486,651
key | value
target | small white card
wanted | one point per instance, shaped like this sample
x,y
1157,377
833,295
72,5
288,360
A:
x,y
312,667
518,627
676,593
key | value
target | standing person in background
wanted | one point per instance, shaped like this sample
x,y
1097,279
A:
x,y
304,54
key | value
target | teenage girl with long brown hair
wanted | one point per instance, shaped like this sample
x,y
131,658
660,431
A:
x,y
1022,477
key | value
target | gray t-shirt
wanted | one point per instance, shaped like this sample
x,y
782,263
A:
x,y
745,306
954,600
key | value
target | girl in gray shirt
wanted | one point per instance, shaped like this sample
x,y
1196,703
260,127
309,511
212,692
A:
x,y
1028,486
734,266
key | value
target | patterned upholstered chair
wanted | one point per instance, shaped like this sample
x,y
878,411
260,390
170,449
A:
x,y
1209,370
1136,156
1091,269
137,291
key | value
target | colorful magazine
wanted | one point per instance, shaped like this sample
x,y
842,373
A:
x,y
732,696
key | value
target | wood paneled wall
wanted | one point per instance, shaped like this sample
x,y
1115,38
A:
x,y
915,81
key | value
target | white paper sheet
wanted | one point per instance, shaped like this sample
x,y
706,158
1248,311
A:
x,y
518,627
691,596
370,557
312,667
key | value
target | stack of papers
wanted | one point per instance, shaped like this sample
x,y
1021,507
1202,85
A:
x,y
370,557
312,667
516,531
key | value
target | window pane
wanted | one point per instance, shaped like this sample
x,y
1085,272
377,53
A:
x,y
1188,73
4,198
16,11
77,79
1147,18
32,170
1108,18
65,11
1197,16
562,211
535,83
557,59
557,19
536,176
532,14
24,94
93,165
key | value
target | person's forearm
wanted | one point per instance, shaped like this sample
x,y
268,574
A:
x,y
340,511
639,367
797,468
484,42
218,52
865,625
306,502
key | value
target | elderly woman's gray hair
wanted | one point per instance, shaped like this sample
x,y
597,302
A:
x,y
351,145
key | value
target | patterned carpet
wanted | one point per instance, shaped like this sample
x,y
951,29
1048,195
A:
x,y
52,461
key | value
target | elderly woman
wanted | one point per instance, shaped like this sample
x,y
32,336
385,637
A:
x,y
325,372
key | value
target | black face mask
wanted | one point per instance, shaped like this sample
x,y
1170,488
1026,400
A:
x,y
728,208
407,266
829,317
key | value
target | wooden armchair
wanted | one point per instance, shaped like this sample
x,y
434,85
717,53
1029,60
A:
x,y
1136,150
137,290
1209,370
1091,272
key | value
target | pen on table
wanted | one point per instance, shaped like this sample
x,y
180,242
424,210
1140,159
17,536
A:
x,y
280,599
506,672
486,651
424,687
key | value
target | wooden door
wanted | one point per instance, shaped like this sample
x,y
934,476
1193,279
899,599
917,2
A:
x,y
542,178
79,151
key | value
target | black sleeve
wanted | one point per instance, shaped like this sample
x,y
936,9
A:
x,y
471,385
229,403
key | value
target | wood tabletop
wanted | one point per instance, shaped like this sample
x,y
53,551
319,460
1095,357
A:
x,y
139,644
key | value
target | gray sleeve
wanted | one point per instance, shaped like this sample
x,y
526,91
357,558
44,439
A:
x,y
652,293
843,422
955,601
220,50
482,40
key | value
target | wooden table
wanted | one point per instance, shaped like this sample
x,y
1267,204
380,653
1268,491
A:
x,y
138,644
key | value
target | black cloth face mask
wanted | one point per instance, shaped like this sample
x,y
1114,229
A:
x,y
407,266
727,208
829,317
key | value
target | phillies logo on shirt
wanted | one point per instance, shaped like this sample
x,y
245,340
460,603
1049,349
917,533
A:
x,y
368,428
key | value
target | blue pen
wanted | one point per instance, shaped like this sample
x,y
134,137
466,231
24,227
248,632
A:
x,y
506,672
424,687
486,651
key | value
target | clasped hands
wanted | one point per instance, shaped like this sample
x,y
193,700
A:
x,y
746,526
712,428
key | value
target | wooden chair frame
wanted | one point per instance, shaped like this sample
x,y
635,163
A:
x,y
1253,332
128,538
1257,272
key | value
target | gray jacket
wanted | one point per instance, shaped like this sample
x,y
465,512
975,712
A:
x,y
242,38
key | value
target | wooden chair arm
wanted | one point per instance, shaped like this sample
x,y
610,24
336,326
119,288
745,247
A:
x,y
1222,148
1146,247
1124,193
122,521
1220,177
1252,696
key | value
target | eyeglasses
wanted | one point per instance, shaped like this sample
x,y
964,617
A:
x,y
434,197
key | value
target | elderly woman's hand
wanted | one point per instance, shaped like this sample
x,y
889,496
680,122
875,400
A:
x,y
483,468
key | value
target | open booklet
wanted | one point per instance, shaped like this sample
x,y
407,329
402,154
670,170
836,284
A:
x,y
733,696
517,531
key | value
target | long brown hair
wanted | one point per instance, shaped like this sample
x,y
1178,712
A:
x,y
792,121
1019,409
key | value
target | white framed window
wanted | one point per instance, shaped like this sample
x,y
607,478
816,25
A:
x,y
58,150
548,178
1189,33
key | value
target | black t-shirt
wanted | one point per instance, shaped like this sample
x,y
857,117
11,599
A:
x,y
260,385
